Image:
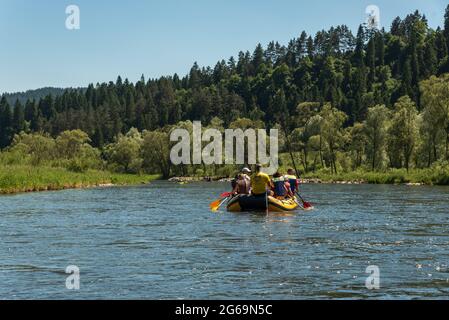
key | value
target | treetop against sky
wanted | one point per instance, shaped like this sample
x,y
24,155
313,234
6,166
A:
x,y
161,37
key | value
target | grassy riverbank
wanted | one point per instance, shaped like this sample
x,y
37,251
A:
x,y
16,179
439,176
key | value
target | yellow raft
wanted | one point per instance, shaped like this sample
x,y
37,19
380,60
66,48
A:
x,y
243,203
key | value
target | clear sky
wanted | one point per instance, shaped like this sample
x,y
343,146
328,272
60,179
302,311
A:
x,y
155,38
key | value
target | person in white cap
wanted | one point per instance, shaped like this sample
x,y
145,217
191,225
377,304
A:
x,y
246,172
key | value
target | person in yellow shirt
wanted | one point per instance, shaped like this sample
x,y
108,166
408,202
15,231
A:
x,y
261,182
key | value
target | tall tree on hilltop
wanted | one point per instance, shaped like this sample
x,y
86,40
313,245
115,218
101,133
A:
x,y
380,48
18,122
258,57
441,45
407,81
446,26
371,62
6,128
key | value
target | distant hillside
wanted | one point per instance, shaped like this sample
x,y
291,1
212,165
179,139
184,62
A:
x,y
33,94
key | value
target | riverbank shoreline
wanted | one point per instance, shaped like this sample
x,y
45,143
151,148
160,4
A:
x,y
186,180
415,177
24,179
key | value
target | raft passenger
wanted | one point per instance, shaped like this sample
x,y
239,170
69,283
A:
x,y
292,180
281,186
246,172
261,183
242,185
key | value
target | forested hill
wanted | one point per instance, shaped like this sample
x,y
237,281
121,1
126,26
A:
x,y
351,71
33,94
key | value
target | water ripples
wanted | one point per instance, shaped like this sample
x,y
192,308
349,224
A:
x,y
162,242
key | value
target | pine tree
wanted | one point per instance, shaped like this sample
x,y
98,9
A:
x,y
396,27
359,78
98,139
258,57
430,60
446,26
414,53
6,128
407,81
130,111
380,49
310,47
301,43
34,117
195,76
18,123
328,82
440,45
371,63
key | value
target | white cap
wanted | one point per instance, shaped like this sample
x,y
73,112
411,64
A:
x,y
246,170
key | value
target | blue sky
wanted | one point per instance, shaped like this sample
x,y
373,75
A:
x,y
161,37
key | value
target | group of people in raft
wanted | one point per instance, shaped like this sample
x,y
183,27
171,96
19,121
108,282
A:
x,y
281,186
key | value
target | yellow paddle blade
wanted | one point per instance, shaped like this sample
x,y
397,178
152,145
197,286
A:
x,y
214,205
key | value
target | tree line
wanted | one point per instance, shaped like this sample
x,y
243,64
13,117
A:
x,y
342,100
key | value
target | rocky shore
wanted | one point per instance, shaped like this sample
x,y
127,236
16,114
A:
x,y
183,180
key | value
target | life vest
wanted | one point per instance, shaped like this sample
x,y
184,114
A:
x,y
293,182
279,186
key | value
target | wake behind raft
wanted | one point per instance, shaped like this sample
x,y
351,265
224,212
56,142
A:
x,y
243,203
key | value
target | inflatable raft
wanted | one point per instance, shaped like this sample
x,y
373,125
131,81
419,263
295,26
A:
x,y
243,203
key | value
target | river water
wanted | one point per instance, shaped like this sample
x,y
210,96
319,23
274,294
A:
x,y
161,242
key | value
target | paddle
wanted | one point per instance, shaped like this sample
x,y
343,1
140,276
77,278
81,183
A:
x,y
307,205
214,206
266,200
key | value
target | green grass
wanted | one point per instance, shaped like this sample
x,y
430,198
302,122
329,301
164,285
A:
x,y
434,176
438,174
15,179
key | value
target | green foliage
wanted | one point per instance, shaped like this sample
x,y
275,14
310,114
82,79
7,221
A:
x,y
353,73
376,126
245,123
124,155
344,103
38,148
156,152
70,143
435,100
69,150
331,132
403,133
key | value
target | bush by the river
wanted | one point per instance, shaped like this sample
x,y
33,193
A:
x,y
37,161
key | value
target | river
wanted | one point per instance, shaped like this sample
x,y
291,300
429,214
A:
x,y
161,242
